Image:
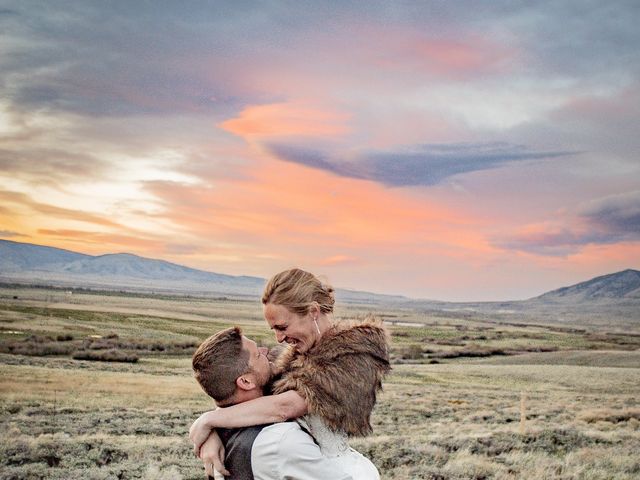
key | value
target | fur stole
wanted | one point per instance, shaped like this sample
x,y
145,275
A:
x,y
340,375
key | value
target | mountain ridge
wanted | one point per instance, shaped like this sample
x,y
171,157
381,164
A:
x,y
52,266
618,285
20,256
26,262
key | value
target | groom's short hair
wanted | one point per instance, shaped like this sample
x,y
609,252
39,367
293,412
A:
x,y
219,361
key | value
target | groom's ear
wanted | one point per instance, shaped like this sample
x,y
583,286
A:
x,y
245,382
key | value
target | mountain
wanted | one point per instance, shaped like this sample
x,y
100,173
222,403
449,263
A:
x,y
129,265
623,285
609,302
36,264
25,262
16,256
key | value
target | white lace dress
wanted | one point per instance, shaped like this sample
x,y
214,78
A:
x,y
335,445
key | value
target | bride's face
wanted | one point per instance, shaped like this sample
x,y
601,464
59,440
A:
x,y
289,327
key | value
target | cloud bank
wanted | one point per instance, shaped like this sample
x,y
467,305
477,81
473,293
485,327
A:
x,y
609,220
428,144
423,165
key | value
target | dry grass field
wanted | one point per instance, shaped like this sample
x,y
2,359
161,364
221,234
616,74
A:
x,y
451,409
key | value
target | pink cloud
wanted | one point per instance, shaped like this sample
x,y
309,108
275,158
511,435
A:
x,y
107,242
25,201
287,211
338,260
287,119
460,54
610,106
467,57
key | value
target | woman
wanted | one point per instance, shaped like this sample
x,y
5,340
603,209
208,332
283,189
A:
x,y
330,373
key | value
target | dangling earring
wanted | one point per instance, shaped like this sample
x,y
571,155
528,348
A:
x,y
315,320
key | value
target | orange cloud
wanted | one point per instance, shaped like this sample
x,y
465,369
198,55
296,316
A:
x,y
287,119
294,214
461,53
474,55
338,260
106,242
608,258
23,200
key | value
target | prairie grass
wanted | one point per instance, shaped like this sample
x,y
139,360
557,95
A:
x,y
594,358
611,415
460,419
109,355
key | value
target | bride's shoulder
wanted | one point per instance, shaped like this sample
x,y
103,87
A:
x,y
366,335
361,325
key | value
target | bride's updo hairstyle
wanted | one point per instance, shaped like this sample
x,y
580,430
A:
x,y
296,290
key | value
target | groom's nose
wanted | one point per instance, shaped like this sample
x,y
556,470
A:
x,y
263,350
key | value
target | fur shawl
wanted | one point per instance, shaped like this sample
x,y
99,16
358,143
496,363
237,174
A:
x,y
340,375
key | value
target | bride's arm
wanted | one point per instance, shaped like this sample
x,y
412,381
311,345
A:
x,y
212,455
268,409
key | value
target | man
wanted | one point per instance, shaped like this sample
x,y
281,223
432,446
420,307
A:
x,y
232,369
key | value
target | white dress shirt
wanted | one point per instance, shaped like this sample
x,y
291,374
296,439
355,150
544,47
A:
x,y
284,451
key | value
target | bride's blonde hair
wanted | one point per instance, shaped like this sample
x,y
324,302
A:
x,y
297,290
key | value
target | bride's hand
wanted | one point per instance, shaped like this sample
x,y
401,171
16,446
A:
x,y
199,432
212,455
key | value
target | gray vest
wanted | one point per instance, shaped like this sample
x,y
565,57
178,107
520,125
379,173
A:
x,y
238,443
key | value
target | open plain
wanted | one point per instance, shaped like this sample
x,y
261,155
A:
x,y
98,385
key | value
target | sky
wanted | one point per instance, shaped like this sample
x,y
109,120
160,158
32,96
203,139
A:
x,y
451,150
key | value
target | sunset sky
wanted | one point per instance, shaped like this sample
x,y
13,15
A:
x,y
455,150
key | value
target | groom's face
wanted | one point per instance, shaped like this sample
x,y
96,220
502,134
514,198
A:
x,y
259,365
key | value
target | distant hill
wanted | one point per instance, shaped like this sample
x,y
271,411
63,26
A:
x,y
16,256
623,285
609,302
28,263
129,265
41,265
37,264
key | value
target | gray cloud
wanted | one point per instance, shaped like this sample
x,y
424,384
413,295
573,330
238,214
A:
x,y
588,40
604,221
420,165
10,234
555,242
618,214
8,197
50,166
119,58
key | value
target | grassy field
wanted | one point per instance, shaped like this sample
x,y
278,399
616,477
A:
x,y
451,409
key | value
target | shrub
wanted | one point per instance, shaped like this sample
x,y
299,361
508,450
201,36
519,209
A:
x,y
412,352
400,334
37,339
65,344
452,342
470,352
537,349
36,348
111,355
609,415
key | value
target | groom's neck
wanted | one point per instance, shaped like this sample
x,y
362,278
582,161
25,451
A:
x,y
242,396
